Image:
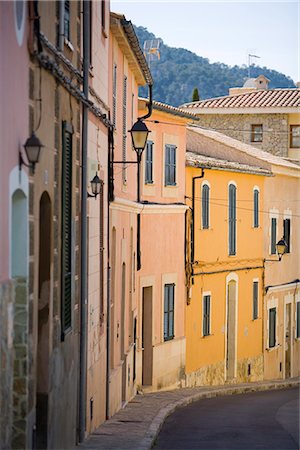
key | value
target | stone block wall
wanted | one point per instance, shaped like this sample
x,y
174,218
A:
x,y
238,126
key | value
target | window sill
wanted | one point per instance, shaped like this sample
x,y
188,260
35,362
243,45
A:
x,y
69,45
149,183
206,336
270,349
171,185
168,339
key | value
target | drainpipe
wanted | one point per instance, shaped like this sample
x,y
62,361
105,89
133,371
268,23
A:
x,y
193,219
149,104
84,300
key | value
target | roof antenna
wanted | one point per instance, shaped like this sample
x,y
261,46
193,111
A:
x,y
249,62
151,50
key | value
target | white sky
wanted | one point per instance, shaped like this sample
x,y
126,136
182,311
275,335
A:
x,y
225,31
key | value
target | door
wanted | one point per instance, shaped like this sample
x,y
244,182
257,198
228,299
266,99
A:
x,y
231,330
42,389
288,340
147,363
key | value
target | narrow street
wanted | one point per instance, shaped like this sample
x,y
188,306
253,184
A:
x,y
260,420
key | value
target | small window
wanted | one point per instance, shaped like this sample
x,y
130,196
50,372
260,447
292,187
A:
x,y
287,234
255,300
169,311
256,133
206,315
272,327
67,20
149,163
298,320
232,219
273,235
255,208
295,136
205,206
170,165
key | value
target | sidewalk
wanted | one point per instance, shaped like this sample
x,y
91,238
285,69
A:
x,y
136,426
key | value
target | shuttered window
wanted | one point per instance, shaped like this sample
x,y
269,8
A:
x,y
169,311
273,235
272,327
232,219
255,208
206,315
66,231
298,319
114,99
149,163
124,128
101,243
256,133
67,20
170,165
287,234
255,300
205,206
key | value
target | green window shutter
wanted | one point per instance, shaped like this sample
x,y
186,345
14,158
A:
x,y
273,235
232,219
206,315
169,291
149,163
272,327
286,233
66,224
255,300
255,209
205,207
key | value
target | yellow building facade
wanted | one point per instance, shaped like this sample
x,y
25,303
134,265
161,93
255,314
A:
x,y
225,261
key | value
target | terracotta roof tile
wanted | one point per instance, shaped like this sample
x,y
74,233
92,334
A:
x,y
275,98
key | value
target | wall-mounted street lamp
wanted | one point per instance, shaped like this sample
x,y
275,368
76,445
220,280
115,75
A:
x,y
139,134
96,184
281,248
32,149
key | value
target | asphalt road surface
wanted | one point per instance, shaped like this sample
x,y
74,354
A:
x,y
259,420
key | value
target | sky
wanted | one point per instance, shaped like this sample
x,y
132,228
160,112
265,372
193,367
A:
x,y
225,31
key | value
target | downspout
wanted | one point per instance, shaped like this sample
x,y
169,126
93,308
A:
x,y
84,300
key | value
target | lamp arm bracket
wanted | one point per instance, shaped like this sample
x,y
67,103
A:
x,y
23,163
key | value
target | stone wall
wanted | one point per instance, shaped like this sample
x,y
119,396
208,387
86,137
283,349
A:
x,y
238,126
6,359
250,369
207,375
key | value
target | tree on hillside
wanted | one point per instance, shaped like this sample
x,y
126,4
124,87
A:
x,y
195,97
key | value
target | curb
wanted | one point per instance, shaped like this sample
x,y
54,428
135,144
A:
x,y
157,422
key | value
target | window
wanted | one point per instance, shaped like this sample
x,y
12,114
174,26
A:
x,y
169,311
103,14
232,219
295,136
114,105
206,316
67,20
66,227
287,234
256,133
124,131
149,163
205,206
255,300
170,165
255,208
273,235
272,327
298,320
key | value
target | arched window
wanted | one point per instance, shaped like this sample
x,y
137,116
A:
x,y
255,208
205,206
232,219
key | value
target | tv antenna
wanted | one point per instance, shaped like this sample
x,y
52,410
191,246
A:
x,y
250,56
151,50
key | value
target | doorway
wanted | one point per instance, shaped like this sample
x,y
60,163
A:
x,y
231,330
147,361
42,389
288,340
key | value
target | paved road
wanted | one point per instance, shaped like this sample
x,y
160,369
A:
x,y
260,420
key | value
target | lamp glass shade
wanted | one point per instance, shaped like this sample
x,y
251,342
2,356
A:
x,y
139,134
281,247
96,185
32,148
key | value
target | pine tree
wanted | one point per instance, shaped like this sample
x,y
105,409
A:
x,y
196,97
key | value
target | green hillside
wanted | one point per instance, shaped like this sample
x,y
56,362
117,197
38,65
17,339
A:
x,y
179,71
